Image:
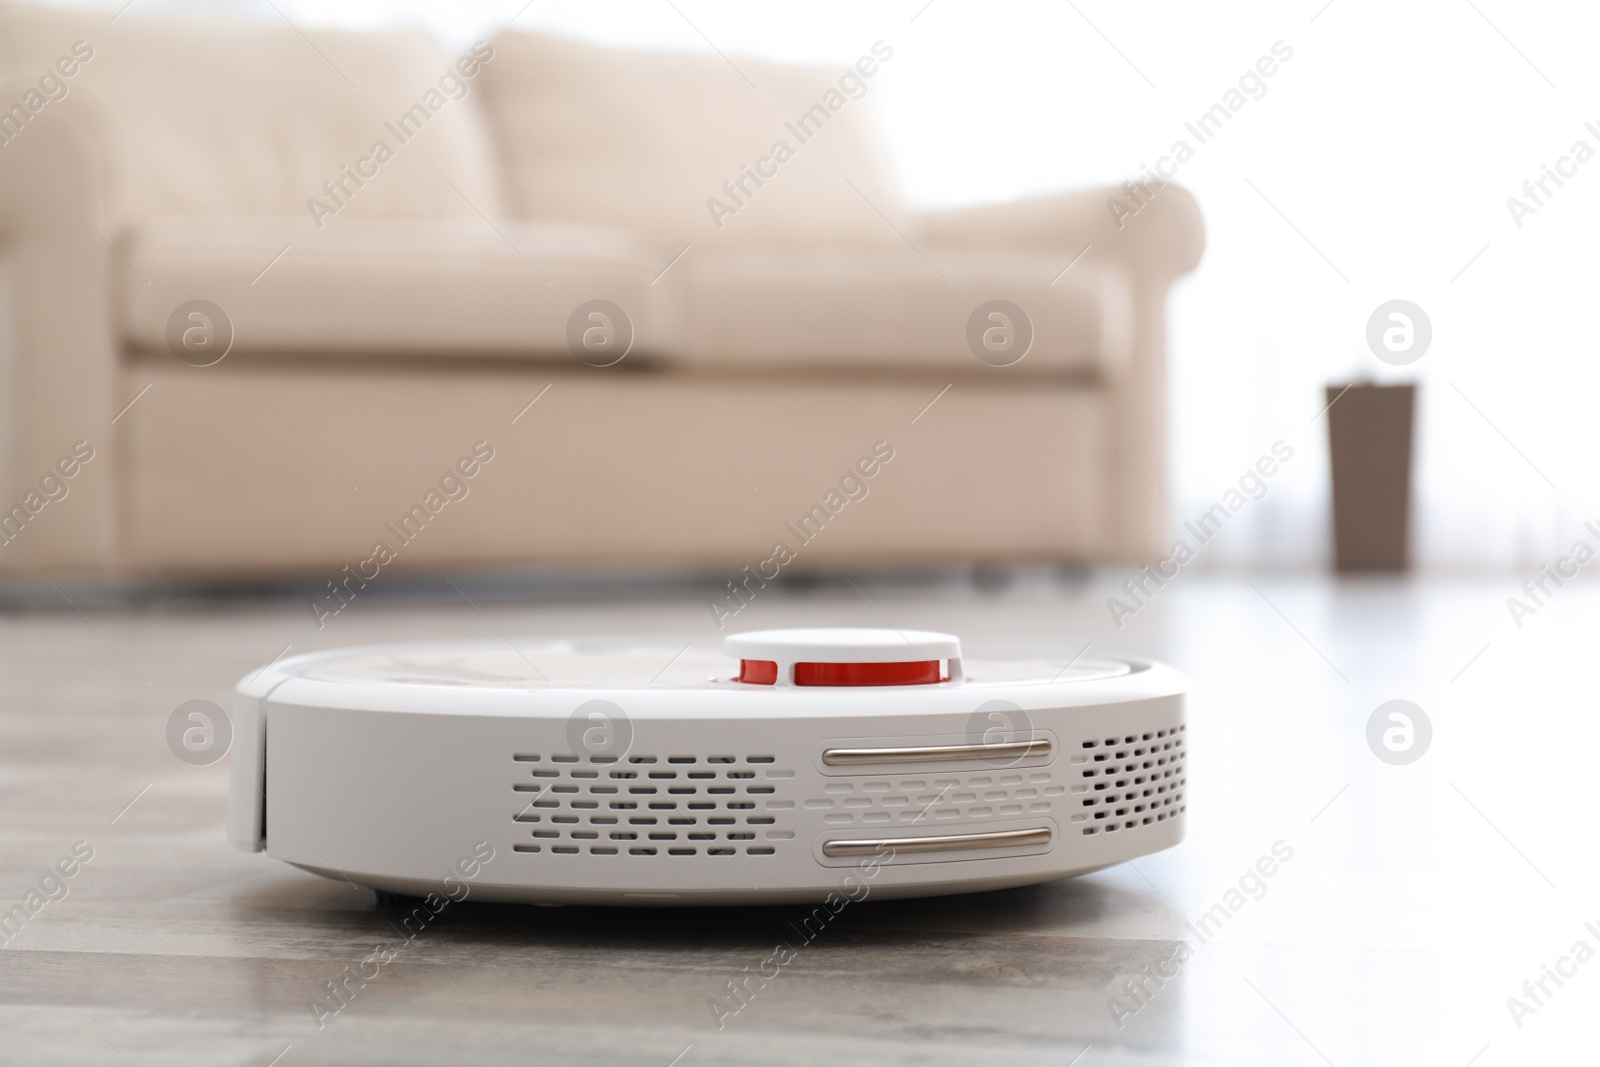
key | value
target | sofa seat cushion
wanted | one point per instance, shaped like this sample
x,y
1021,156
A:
x,y
395,286
892,309
417,288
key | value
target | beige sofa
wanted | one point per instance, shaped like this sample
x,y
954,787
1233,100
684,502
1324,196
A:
x,y
387,311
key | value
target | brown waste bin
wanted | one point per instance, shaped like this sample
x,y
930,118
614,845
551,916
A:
x,y
1369,445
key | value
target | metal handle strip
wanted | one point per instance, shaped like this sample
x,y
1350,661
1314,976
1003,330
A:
x,y
1010,750
950,843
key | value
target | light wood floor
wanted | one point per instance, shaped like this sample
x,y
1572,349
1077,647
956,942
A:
x,y
1417,900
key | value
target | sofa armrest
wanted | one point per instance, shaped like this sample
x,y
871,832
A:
x,y
1157,231
58,352
1153,238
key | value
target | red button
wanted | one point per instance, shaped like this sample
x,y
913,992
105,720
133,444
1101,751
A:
x,y
914,672
758,671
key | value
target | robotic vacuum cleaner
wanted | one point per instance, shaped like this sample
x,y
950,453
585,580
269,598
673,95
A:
x,y
779,768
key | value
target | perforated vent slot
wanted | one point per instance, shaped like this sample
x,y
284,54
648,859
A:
x,y
932,798
1131,781
641,805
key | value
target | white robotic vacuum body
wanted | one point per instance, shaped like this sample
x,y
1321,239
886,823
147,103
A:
x,y
639,772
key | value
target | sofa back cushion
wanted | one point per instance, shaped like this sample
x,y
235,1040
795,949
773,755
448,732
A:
x,y
201,117
695,148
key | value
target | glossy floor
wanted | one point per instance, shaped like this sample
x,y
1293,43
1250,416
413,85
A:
x,y
1405,906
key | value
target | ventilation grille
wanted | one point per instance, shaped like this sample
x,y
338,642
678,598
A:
x,y
931,798
650,805
1130,781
